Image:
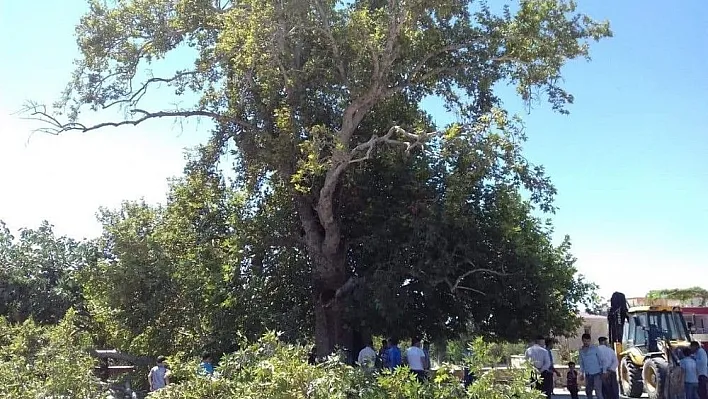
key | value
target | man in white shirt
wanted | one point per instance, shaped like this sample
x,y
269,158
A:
x,y
610,385
415,358
367,357
538,356
159,377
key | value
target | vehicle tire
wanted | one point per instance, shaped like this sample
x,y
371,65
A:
x,y
654,374
630,377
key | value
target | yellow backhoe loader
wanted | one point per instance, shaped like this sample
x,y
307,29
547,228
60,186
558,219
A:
x,y
645,339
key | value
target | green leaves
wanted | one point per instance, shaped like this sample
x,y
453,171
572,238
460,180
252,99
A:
x,y
682,294
38,273
272,369
304,92
45,362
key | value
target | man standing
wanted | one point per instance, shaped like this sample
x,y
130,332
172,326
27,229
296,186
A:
x,y
158,376
701,369
426,350
610,386
538,356
367,357
548,384
382,358
415,357
591,368
393,354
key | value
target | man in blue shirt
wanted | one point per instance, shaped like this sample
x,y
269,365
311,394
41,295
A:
x,y
591,367
701,369
206,367
393,354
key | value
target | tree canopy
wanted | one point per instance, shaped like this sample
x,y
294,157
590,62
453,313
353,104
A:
x,y
384,219
681,294
38,274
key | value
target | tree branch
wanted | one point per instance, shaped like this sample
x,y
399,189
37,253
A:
x,y
410,141
337,55
456,285
39,113
138,94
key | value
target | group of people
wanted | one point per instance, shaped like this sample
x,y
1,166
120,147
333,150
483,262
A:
x,y
389,356
694,363
159,375
597,368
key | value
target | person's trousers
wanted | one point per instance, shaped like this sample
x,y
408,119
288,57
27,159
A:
x,y
420,374
543,381
593,383
547,377
702,387
610,386
573,393
691,390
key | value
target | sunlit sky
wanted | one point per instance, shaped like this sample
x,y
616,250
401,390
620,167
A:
x,y
629,161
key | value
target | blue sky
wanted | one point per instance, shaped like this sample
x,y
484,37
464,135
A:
x,y
628,161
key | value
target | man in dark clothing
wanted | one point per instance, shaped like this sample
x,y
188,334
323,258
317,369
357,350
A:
x,y
382,358
571,382
548,377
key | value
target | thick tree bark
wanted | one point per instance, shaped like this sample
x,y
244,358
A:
x,y
329,276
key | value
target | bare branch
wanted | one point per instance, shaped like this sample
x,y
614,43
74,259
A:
x,y
39,113
471,290
456,286
138,94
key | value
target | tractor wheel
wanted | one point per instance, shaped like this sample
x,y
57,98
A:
x,y
654,374
630,377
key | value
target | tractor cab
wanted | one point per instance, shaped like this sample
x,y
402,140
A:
x,y
648,327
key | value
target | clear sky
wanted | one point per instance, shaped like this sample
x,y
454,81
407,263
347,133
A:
x,y
629,162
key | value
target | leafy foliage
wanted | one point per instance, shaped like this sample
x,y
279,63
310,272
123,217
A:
x,y
46,362
681,294
271,369
38,274
310,95
174,278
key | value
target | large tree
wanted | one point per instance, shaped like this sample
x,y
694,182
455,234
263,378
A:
x,y
292,84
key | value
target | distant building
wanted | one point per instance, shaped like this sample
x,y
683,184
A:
x,y
595,325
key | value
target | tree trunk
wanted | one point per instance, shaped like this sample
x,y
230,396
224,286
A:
x,y
329,275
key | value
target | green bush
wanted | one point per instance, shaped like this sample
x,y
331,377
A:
x,y
46,362
271,369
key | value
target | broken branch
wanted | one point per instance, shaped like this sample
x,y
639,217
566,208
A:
x,y
410,141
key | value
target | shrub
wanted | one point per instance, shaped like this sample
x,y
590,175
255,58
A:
x,y
46,362
271,369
